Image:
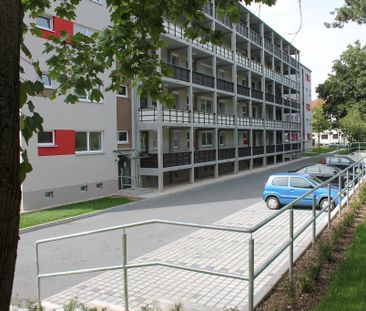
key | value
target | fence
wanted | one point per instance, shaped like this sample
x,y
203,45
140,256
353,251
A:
x,y
343,195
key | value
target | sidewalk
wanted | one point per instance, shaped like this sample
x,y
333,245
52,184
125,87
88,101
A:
x,y
205,249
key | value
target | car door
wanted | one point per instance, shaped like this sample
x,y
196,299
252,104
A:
x,y
298,186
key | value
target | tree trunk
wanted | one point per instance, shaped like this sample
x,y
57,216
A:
x,y
318,139
10,193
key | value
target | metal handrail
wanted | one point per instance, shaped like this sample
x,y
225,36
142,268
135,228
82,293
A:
x,y
136,185
253,273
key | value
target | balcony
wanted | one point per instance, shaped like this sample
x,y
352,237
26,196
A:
x,y
279,148
245,61
270,148
242,29
296,146
243,90
268,45
204,156
173,29
225,52
287,147
258,150
205,45
255,37
277,51
225,119
244,152
178,73
148,115
269,97
202,117
176,116
226,153
203,79
176,159
225,85
257,94
149,161
243,121
271,124
278,100
257,122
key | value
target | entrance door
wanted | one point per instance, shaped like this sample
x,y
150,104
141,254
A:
x,y
124,172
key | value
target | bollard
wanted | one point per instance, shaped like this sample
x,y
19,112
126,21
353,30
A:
x,y
314,220
124,263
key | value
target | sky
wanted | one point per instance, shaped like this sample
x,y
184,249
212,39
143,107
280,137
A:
x,y
318,45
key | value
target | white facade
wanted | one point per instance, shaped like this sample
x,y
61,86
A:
x,y
306,108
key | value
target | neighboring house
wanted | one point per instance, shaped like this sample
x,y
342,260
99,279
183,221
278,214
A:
x,y
329,137
238,106
306,113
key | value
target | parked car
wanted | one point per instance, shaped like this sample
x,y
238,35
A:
x,y
324,172
283,188
341,162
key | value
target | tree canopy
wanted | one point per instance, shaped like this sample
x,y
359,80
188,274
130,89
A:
x,y
346,86
320,121
352,10
354,123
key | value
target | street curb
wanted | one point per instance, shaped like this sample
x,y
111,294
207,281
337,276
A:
x,y
190,187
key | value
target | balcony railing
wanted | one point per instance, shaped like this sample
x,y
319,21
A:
x,y
203,79
271,124
178,73
148,115
225,85
176,116
243,121
256,66
270,148
225,52
277,51
257,122
268,45
242,29
243,60
258,150
279,147
225,119
257,94
243,90
206,45
149,161
173,29
226,153
244,152
278,100
204,156
269,97
176,159
287,147
296,146
255,37
202,117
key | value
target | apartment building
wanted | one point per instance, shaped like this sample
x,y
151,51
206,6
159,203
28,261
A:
x,y
238,106
306,111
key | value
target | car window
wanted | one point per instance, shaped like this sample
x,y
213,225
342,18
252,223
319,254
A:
x,y
327,169
345,161
298,182
280,181
334,160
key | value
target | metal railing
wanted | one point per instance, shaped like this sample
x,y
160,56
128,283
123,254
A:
x,y
127,182
343,196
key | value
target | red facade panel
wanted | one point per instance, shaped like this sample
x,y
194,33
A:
x,y
64,144
59,24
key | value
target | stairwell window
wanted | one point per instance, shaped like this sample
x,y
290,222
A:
x,y
88,142
45,22
206,139
123,91
122,137
46,138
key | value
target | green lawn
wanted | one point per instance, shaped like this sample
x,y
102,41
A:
x,y
347,290
66,211
319,150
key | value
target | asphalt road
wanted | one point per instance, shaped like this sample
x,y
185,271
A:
x,y
105,249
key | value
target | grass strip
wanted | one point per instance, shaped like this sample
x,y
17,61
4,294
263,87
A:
x,y
348,285
319,150
70,210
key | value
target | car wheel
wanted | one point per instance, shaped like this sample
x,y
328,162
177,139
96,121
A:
x,y
323,204
273,203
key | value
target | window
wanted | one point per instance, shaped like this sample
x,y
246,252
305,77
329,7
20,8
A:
x,y
313,169
48,194
174,59
45,22
176,139
83,30
222,139
334,160
335,136
122,137
345,161
88,141
84,188
46,138
298,182
206,105
206,139
324,136
46,81
221,74
280,181
99,185
123,91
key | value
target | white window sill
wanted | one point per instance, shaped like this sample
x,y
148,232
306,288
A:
x,y
47,145
49,87
122,96
85,153
44,28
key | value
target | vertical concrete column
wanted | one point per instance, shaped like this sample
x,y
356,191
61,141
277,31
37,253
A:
x,y
160,140
264,117
135,102
235,100
190,103
216,132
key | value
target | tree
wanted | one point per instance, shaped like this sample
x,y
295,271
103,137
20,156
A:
x,y
352,10
354,123
132,40
346,85
320,121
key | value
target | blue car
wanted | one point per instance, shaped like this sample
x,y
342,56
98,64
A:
x,y
282,189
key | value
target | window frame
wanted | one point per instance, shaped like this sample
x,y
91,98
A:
x,y
122,142
311,186
280,177
121,95
50,18
51,144
204,139
46,86
88,150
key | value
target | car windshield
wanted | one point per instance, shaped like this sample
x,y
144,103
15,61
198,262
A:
x,y
316,180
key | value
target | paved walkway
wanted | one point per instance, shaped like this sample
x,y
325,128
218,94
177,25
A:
x,y
204,249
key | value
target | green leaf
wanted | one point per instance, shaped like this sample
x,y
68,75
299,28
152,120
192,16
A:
x,y
25,166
